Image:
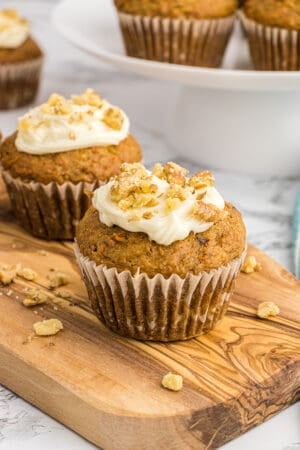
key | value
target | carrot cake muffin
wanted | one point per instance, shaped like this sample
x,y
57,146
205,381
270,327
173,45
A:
x,y
60,149
273,28
20,61
159,252
190,32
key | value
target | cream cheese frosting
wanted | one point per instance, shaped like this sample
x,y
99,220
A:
x,y
165,207
14,30
62,125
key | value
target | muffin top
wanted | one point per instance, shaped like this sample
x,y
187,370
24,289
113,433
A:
x,y
191,9
277,13
161,222
14,30
80,139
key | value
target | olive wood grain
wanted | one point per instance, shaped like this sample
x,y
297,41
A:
x,y
107,388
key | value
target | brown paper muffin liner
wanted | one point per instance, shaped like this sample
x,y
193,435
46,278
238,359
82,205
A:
x,y
159,309
49,211
19,83
272,48
179,41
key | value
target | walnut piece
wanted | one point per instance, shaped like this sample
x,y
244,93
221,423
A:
x,y
171,204
266,310
64,293
113,118
48,327
7,274
34,297
172,382
27,273
251,265
202,180
175,174
207,212
89,97
58,279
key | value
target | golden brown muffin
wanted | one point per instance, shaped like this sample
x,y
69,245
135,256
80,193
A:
x,y
26,52
275,13
202,252
87,164
195,9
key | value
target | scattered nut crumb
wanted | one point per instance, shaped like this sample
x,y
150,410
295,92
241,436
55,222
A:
x,y
58,279
251,265
7,277
172,382
64,293
27,273
48,327
42,252
266,310
34,297
9,293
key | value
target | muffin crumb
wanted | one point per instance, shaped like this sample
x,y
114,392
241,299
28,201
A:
x,y
48,327
34,297
266,310
251,265
58,279
172,382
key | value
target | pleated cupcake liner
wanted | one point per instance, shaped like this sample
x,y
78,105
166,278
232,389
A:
x,y
19,83
48,211
159,309
179,41
272,48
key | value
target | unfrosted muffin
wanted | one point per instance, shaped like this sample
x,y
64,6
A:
x,y
159,252
20,61
60,149
190,32
273,28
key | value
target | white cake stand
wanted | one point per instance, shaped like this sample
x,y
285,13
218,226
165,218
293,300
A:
x,y
230,118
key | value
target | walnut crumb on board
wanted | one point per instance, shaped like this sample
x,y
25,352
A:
x,y
27,273
58,279
8,273
48,327
251,265
172,382
34,297
42,252
266,310
64,293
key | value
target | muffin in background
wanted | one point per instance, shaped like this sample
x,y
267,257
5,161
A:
x,y
273,29
160,252
61,149
21,61
189,32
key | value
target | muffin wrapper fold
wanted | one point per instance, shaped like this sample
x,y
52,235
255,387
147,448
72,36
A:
x,y
272,48
158,309
48,211
19,83
179,41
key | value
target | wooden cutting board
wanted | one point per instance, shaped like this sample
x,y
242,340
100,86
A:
x,y
108,389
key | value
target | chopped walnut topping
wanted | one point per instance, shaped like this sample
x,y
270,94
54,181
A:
x,y
113,118
172,204
158,171
89,97
202,180
172,382
72,136
147,215
48,327
176,191
25,124
175,174
56,104
34,297
266,310
251,265
27,273
208,213
58,279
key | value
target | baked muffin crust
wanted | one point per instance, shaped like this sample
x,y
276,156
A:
x,y
88,165
26,52
277,13
116,247
191,9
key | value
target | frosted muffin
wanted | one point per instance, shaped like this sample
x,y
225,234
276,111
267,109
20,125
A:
x,y
62,148
20,61
159,252
190,32
273,29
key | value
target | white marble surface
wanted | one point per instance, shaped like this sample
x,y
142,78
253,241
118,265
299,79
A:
x,y
267,205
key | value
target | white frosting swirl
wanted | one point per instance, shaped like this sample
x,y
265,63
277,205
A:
x,y
163,227
64,125
14,30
